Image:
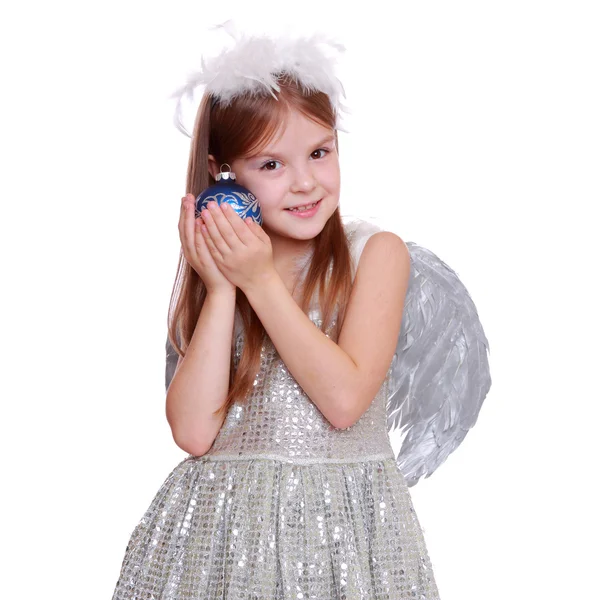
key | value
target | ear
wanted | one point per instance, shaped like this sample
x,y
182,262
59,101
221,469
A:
x,y
213,166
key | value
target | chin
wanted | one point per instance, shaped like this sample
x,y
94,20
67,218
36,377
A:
x,y
309,233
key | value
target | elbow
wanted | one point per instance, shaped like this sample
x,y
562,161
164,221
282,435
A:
x,y
351,412
190,444
343,419
193,447
344,423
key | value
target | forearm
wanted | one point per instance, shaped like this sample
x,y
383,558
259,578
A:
x,y
324,371
201,383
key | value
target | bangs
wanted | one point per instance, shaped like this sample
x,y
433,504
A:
x,y
268,121
246,126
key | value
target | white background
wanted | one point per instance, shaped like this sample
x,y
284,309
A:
x,y
474,132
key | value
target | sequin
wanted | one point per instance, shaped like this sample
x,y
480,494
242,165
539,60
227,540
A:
x,y
283,506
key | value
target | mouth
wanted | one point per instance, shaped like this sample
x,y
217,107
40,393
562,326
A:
x,y
306,210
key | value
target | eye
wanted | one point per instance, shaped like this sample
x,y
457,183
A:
x,y
264,167
269,162
326,150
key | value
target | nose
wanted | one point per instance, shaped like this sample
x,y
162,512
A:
x,y
303,179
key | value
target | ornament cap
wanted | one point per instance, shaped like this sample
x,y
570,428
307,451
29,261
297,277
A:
x,y
225,175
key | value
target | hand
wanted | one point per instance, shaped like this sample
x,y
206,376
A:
x,y
195,249
241,249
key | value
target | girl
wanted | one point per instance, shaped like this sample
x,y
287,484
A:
x,y
291,488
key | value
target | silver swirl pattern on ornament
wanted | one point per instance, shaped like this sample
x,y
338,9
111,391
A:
x,y
244,204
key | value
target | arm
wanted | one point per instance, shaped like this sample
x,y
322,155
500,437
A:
x,y
201,381
342,379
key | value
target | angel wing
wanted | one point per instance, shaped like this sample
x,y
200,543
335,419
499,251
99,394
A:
x,y
440,372
171,362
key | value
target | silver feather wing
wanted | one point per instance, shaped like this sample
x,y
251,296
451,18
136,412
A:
x,y
440,372
171,363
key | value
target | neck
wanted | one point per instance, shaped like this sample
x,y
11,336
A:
x,y
290,256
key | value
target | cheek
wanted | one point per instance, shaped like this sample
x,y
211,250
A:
x,y
269,195
331,180
255,186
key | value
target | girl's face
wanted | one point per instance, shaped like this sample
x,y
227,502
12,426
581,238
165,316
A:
x,y
298,167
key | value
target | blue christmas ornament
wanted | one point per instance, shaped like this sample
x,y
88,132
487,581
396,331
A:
x,y
241,199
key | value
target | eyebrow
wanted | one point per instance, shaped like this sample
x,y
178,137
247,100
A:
x,y
265,153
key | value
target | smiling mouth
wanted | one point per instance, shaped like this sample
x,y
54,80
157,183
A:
x,y
305,207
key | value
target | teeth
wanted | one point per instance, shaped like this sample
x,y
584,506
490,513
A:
x,y
308,207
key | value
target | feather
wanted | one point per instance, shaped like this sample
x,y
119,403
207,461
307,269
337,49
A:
x,y
171,362
253,65
439,373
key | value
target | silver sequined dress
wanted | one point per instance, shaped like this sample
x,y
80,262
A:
x,y
283,506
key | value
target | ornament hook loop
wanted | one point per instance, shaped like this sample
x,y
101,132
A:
x,y
227,174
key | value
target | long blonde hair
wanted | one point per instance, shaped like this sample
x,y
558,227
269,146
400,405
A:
x,y
229,132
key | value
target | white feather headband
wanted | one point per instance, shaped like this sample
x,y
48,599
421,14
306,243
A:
x,y
252,67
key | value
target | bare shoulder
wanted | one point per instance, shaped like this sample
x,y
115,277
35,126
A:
x,y
382,276
384,244
384,252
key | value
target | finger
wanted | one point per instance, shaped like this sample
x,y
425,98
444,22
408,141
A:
x,y
217,256
239,225
228,233
193,248
258,231
181,218
199,240
213,230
